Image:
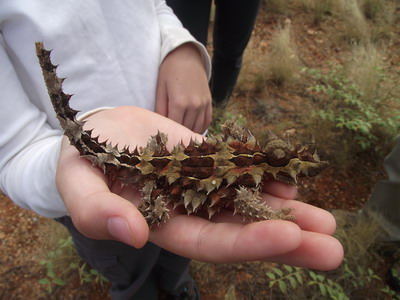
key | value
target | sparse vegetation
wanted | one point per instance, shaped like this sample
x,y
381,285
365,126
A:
x,y
279,66
280,7
360,117
359,234
61,262
355,30
365,68
372,8
282,63
318,9
252,76
297,283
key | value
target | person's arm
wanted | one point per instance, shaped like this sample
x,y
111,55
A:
x,y
29,148
183,94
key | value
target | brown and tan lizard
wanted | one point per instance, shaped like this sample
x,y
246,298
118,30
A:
x,y
223,170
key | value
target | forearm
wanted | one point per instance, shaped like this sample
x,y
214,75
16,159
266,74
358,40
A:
x,y
173,35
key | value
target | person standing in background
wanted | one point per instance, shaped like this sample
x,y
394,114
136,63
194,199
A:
x,y
233,25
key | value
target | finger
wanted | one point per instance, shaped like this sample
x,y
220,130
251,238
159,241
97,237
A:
x,y
194,118
161,99
308,217
280,189
200,239
176,110
207,116
105,215
203,117
190,117
95,211
317,251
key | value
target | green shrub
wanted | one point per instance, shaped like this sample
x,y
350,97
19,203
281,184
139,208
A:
x,y
341,102
298,283
359,276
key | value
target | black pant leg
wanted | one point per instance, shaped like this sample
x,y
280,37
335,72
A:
x,y
194,15
234,23
173,270
134,273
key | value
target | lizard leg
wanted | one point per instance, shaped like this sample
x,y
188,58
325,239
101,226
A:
x,y
153,208
248,204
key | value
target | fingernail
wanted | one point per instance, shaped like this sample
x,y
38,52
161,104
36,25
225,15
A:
x,y
120,230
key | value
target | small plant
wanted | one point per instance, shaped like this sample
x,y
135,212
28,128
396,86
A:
x,y
53,276
285,278
390,293
63,261
87,274
51,279
354,279
290,278
325,285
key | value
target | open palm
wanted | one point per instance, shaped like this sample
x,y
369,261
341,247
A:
x,y
99,208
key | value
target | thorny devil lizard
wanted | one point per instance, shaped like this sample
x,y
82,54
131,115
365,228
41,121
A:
x,y
221,171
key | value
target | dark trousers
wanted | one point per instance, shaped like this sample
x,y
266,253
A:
x,y
134,273
233,25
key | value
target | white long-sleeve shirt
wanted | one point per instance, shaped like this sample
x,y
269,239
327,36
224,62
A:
x,y
109,50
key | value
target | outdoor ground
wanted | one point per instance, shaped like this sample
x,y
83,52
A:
x,y
25,237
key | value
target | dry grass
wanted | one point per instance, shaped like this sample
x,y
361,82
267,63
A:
x,y
364,67
359,232
251,78
282,60
355,29
279,66
372,9
318,9
280,7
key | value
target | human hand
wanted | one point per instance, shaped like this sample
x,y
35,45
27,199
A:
x,y
225,238
99,209
183,94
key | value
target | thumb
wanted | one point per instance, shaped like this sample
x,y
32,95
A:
x,y
107,216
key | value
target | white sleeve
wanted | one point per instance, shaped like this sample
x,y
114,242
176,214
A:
x,y
173,34
29,147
